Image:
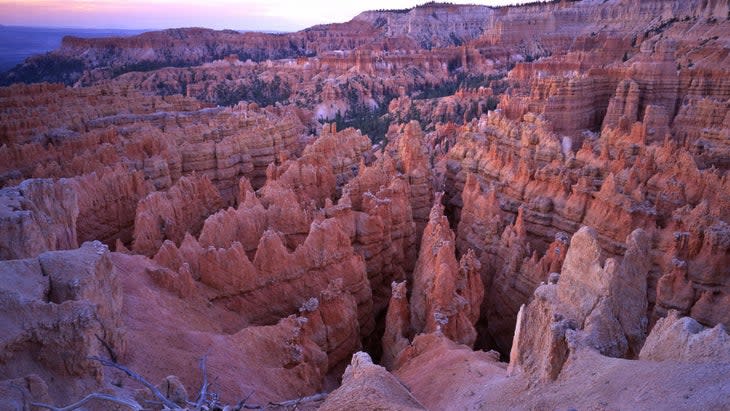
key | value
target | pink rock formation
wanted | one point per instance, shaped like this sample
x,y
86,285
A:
x,y
600,305
249,287
324,167
445,375
281,246
432,356
38,216
107,202
278,361
446,295
64,306
416,165
397,326
369,386
184,208
685,340
333,324
638,187
375,206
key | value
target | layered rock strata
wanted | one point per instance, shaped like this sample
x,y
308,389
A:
x,y
276,247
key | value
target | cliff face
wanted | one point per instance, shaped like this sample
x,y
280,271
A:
x,y
608,115
432,25
551,199
528,31
55,305
545,181
108,57
84,59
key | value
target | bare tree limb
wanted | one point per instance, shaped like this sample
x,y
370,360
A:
x,y
93,396
112,353
204,386
297,401
166,402
242,404
200,404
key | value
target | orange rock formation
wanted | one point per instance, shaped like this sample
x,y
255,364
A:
x,y
545,183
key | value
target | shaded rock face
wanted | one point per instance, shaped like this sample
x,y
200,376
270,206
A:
x,y
107,202
63,307
278,361
581,149
170,215
445,297
433,356
615,290
446,294
38,216
594,304
299,265
561,340
112,161
414,159
436,366
510,267
682,339
494,184
397,325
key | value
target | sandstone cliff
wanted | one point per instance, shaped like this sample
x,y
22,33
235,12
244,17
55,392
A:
x,y
581,148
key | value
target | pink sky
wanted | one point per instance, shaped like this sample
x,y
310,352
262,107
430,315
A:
x,y
284,15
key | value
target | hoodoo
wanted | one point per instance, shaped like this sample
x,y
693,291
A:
x,y
442,207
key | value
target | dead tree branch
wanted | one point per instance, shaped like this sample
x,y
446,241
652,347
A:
x,y
94,396
204,386
202,402
243,406
297,401
166,402
112,353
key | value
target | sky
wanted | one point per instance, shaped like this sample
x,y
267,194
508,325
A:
x,y
259,15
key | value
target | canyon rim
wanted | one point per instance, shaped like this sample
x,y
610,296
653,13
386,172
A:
x,y
441,207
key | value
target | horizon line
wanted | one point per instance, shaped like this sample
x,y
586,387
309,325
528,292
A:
x,y
140,30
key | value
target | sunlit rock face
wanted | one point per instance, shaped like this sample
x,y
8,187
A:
x,y
445,207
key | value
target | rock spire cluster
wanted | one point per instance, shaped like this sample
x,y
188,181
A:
x,y
444,207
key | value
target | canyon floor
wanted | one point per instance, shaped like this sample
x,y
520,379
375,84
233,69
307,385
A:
x,y
445,207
